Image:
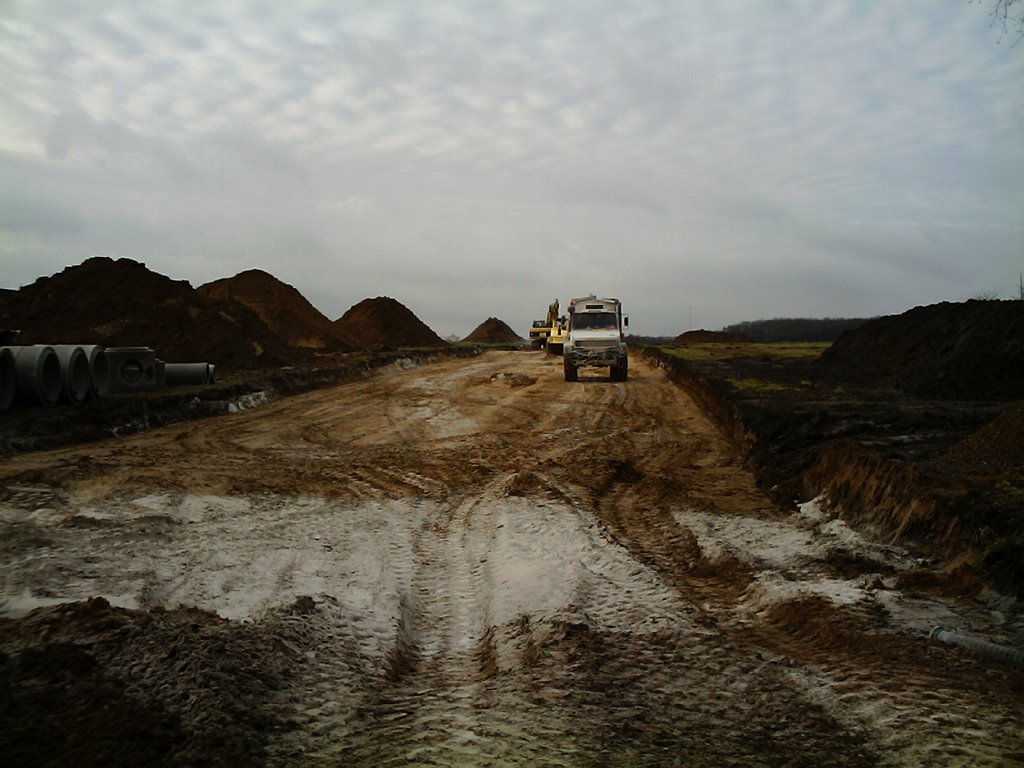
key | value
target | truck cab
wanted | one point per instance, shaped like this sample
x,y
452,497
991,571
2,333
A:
x,y
595,338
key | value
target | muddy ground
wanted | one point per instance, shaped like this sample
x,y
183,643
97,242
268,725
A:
x,y
470,562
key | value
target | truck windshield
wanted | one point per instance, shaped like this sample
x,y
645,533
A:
x,y
583,320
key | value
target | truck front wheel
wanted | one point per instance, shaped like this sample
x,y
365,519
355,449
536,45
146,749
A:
x,y
571,374
620,372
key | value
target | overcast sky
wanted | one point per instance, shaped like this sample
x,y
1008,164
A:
x,y
720,161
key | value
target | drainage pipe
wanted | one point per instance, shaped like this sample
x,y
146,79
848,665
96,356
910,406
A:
x,y
37,375
8,378
75,376
211,373
99,370
132,369
183,374
1010,656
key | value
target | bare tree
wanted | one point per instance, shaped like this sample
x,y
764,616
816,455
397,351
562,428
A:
x,y
1009,15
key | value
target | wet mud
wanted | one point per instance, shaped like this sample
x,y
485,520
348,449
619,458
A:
x,y
470,563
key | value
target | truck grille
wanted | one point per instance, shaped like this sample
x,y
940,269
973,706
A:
x,y
596,344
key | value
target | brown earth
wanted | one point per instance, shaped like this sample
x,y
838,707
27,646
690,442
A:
x,y
121,303
252,321
281,307
493,331
968,351
470,562
901,451
384,322
459,559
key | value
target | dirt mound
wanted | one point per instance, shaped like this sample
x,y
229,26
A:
x,y
90,684
281,307
968,351
384,322
121,303
711,337
996,448
493,331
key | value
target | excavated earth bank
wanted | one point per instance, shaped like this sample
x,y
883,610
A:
x,y
906,455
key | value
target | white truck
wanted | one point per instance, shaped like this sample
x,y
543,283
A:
x,y
595,338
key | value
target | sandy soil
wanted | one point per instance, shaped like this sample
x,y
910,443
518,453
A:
x,y
469,563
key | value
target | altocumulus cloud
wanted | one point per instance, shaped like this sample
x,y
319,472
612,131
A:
x,y
725,161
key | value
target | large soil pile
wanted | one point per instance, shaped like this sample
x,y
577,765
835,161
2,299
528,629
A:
x,y
711,337
281,307
493,331
121,303
968,351
384,322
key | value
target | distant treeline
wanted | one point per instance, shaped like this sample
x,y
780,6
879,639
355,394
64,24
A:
x,y
795,328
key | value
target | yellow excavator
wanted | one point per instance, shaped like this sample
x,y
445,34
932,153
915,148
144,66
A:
x,y
549,333
541,329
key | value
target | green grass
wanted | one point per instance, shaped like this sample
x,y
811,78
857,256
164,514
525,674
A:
x,y
760,385
781,350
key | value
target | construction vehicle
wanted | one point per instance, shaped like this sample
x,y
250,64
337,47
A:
x,y
556,339
595,338
541,329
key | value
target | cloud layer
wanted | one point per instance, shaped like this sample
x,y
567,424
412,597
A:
x,y
725,161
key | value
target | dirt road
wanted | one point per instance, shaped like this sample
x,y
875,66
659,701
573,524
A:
x,y
469,563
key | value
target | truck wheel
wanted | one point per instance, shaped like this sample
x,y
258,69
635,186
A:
x,y
620,372
571,374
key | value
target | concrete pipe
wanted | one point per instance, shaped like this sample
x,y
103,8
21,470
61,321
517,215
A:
x,y
7,378
98,370
37,375
75,376
1010,656
185,374
211,373
131,369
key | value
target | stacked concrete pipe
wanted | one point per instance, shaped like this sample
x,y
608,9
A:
x,y
72,373
184,374
98,369
8,378
37,375
75,373
131,369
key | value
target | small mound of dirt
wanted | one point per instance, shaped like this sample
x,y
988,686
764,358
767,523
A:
x,y
997,448
384,322
493,331
89,684
711,337
121,303
281,307
968,351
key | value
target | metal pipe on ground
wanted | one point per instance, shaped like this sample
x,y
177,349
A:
x,y
184,374
75,375
1007,655
131,369
37,375
7,378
